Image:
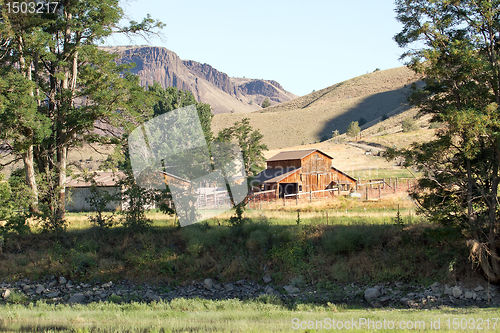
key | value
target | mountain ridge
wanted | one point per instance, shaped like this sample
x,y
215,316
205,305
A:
x,y
208,85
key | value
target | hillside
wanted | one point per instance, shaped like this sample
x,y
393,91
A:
x,y
208,85
314,117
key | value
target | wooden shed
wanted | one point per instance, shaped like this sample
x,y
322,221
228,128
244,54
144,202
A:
x,y
292,172
78,190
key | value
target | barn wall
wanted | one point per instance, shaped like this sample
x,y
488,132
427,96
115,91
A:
x,y
316,162
283,164
76,199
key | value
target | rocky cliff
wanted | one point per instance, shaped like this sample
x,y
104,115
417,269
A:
x,y
208,85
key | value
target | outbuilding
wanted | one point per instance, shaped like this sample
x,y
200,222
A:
x,y
299,171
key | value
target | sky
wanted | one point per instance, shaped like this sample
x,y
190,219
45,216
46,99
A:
x,y
303,45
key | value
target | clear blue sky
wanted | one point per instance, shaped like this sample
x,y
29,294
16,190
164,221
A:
x,y
304,45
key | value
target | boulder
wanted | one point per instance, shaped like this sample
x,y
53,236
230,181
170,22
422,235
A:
x,y
40,289
6,294
457,292
107,285
208,284
267,278
62,280
291,289
229,286
52,295
269,290
76,298
372,293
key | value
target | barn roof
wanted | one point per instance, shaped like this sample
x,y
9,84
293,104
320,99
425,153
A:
x,y
345,174
295,155
274,175
102,179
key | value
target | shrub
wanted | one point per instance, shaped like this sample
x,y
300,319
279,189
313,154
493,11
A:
x,y
266,103
409,125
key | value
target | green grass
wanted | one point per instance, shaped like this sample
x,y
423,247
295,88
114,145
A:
x,y
266,314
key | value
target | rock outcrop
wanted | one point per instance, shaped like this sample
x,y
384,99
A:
x,y
208,85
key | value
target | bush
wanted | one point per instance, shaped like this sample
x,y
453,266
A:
x,y
266,103
409,125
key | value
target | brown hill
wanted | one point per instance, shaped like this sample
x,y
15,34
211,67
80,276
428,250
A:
x,y
208,85
314,117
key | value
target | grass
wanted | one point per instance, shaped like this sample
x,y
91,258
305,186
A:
x,y
265,314
359,245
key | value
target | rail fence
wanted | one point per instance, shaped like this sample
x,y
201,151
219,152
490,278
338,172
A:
x,y
370,189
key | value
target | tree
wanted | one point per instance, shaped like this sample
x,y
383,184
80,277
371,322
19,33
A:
x,y
78,87
353,129
266,103
250,143
454,45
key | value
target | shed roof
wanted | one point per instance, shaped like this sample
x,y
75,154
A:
x,y
295,155
102,179
274,175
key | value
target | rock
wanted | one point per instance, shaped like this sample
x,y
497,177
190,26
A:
x,y
62,280
372,293
208,284
240,282
217,286
76,298
457,292
435,285
291,289
107,285
40,289
52,295
405,300
229,286
469,295
479,288
267,278
153,298
26,288
6,294
52,283
269,290
448,291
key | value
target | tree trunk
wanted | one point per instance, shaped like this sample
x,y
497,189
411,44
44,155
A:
x,y
62,153
29,170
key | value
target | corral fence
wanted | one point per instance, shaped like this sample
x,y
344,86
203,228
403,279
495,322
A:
x,y
365,189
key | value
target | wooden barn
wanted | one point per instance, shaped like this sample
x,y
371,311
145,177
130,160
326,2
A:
x,y
301,171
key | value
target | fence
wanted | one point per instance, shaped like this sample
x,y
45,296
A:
x,y
368,189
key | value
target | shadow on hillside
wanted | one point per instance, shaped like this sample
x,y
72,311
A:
x,y
370,108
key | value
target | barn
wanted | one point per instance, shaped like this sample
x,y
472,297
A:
x,y
78,190
301,171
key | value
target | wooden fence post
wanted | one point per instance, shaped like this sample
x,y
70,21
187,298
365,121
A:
x,y
367,193
379,193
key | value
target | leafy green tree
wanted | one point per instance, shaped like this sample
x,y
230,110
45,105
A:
x,y
78,87
266,103
353,129
250,143
454,45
